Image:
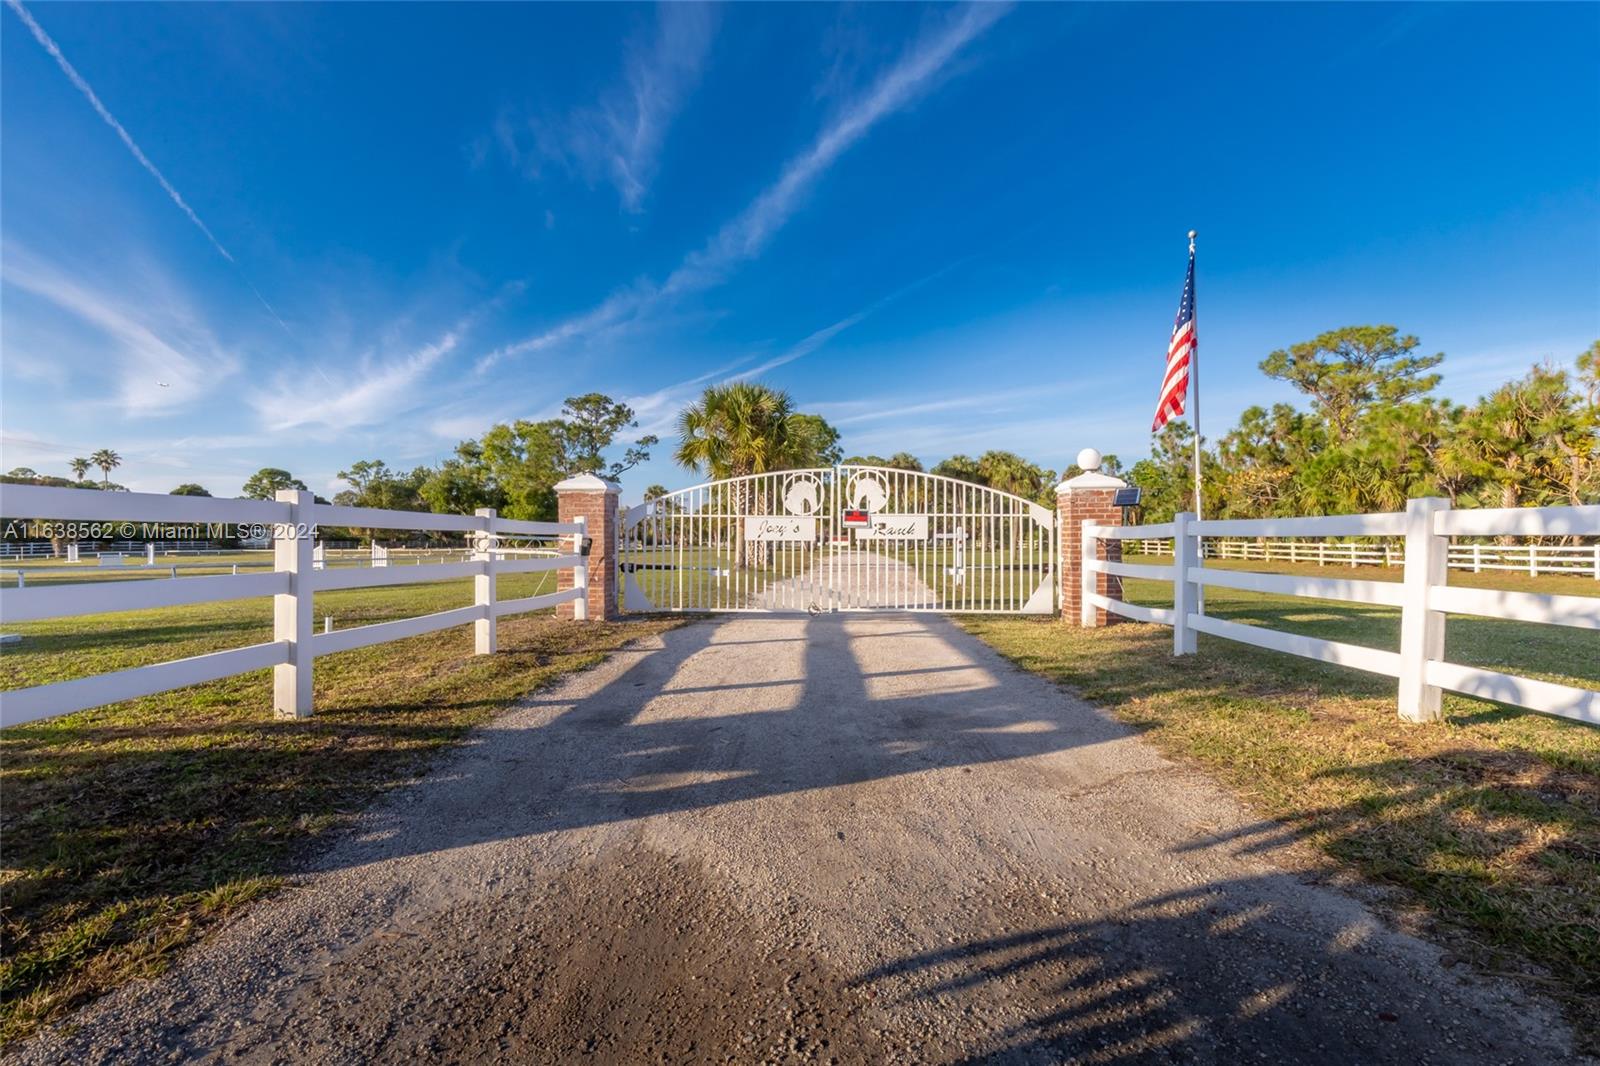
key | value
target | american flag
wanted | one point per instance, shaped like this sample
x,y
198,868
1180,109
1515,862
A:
x,y
1180,350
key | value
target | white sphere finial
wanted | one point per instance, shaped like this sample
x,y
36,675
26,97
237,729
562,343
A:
x,y
1193,234
1089,459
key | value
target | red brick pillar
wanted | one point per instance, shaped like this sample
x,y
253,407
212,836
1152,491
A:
x,y
1087,498
595,501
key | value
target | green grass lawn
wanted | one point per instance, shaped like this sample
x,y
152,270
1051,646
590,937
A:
x,y
1488,822
704,578
130,830
988,579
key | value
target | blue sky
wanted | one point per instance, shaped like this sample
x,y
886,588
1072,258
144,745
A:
x,y
367,231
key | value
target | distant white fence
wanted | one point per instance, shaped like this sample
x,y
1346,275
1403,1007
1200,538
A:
x,y
1578,560
294,517
1423,596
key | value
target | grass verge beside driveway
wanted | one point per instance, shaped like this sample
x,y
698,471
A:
x,y
1490,820
131,830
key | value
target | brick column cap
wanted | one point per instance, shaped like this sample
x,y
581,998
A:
x,y
1091,479
588,483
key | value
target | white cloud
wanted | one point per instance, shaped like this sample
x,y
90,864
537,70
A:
x,y
1468,376
616,308
461,427
620,137
373,393
912,75
164,358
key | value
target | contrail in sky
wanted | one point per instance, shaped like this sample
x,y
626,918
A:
x,y
89,94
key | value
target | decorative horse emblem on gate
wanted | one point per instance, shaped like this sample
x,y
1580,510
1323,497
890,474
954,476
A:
x,y
867,492
802,495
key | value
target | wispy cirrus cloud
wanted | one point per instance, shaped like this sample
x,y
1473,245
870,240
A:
x,y
615,308
619,138
163,356
908,79
658,410
376,390
820,337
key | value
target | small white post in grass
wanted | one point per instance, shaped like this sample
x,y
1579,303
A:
x,y
1185,594
485,631
327,623
150,554
72,552
291,611
1088,613
1427,563
580,572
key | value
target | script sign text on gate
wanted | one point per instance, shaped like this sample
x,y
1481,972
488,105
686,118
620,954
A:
x,y
783,529
896,527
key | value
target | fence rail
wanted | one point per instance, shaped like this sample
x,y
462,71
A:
x,y
292,583
1579,560
1423,595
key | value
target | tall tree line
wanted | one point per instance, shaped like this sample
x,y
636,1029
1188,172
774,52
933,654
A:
x,y
1373,435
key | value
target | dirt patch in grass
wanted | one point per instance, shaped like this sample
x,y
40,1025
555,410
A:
x,y
131,830
1489,822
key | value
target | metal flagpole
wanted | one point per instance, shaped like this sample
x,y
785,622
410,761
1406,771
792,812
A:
x,y
1194,380
1194,414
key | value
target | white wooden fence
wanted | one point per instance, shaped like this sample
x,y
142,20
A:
x,y
1579,560
294,518
1423,596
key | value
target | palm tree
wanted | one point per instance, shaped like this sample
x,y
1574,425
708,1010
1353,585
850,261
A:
x,y
740,429
737,430
80,467
107,460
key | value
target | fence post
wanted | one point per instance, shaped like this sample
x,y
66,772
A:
x,y
1426,563
1533,560
1088,613
1079,501
486,630
591,502
291,611
1477,558
1185,595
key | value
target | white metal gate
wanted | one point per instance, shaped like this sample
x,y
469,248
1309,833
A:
x,y
845,538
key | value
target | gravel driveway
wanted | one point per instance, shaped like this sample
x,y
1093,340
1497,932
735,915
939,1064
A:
x,y
855,838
